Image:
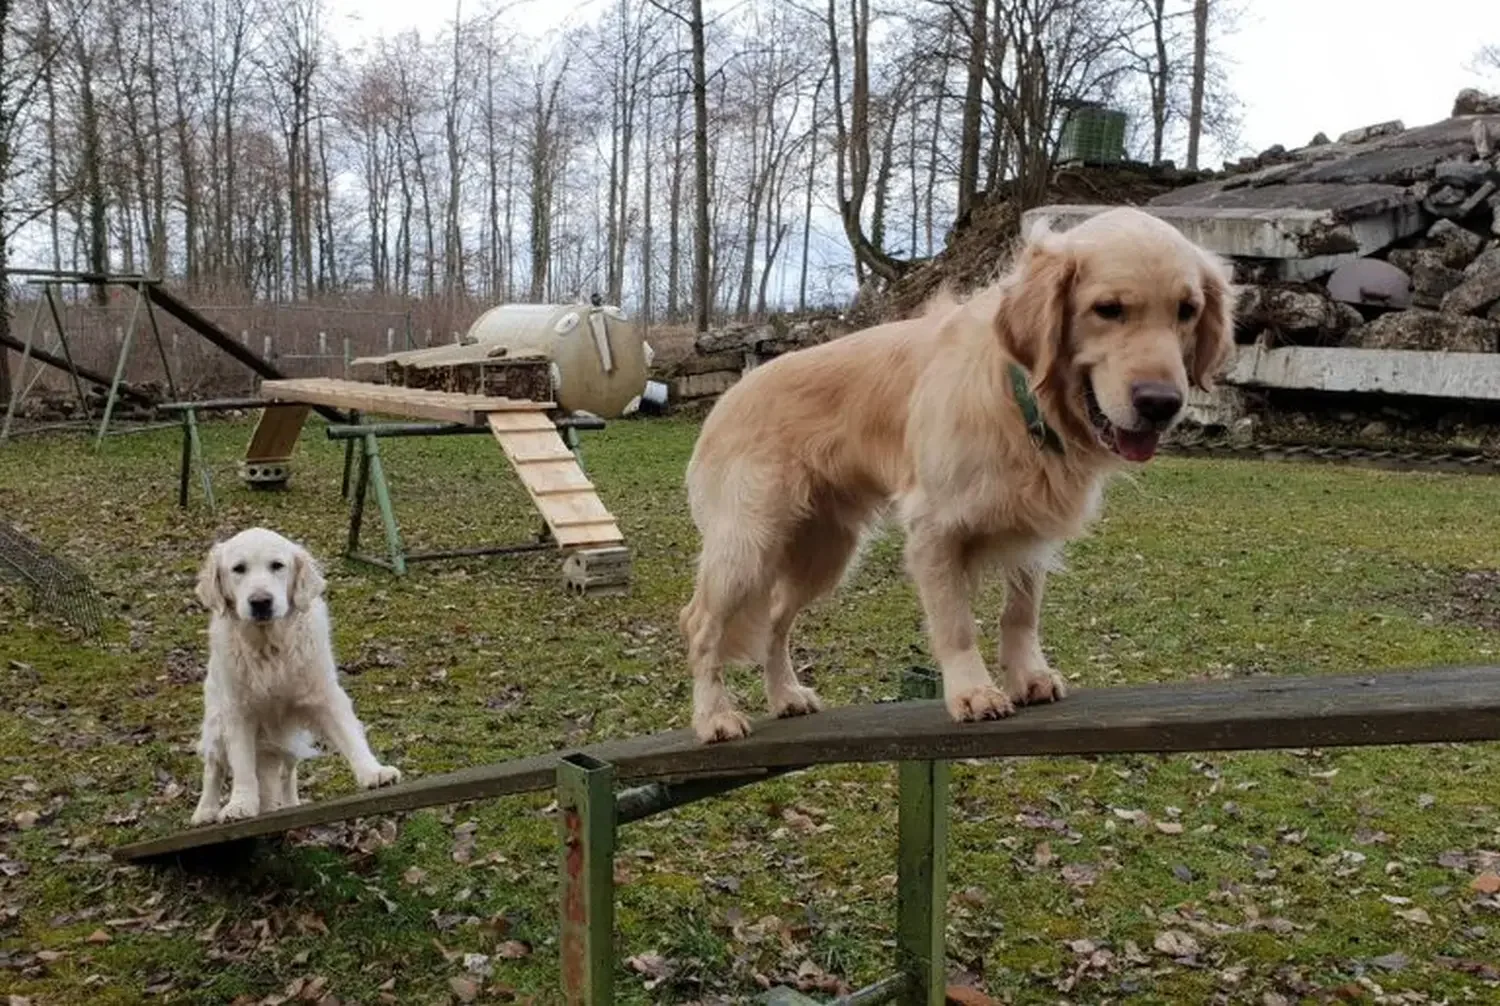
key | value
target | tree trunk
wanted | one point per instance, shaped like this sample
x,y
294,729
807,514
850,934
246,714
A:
x,y
1200,69
968,156
93,174
1160,80
701,277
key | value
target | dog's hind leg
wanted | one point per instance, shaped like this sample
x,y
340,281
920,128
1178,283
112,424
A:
x,y
725,620
812,565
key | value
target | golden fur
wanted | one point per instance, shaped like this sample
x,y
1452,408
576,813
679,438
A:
x,y
798,460
272,683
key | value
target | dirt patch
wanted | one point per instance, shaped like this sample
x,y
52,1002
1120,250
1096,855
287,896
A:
x,y
1471,597
981,242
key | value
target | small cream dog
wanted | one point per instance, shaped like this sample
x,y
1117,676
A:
x,y
272,683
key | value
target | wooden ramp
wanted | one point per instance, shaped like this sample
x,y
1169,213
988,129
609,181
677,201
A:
x,y
567,500
559,488
1390,707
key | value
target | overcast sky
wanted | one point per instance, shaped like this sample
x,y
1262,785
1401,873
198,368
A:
x,y
1299,66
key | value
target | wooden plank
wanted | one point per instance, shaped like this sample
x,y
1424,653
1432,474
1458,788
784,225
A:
x,y
592,536
1471,376
439,406
521,422
1372,708
581,506
557,486
276,433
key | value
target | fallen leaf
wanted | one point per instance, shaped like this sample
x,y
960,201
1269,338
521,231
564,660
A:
x,y
1487,883
414,876
1417,916
1043,856
962,995
1392,962
463,989
1175,943
1080,874
26,819
513,950
463,841
477,964
97,936
1168,827
654,967
20,1001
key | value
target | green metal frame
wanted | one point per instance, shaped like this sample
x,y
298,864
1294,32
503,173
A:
x,y
166,366
19,387
370,472
590,813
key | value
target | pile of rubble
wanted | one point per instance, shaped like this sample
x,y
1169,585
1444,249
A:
x,y
1386,238
722,355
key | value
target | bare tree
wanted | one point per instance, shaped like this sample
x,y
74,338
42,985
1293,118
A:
x,y
1200,71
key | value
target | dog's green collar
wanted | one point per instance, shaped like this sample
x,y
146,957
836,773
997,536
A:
x,y
1031,411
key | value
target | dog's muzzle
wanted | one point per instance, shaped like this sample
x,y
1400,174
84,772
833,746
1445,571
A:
x,y
261,609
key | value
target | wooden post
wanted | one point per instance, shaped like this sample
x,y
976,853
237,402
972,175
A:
x,y
922,881
586,825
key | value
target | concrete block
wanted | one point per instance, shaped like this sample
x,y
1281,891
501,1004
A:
x,y
690,386
1311,241
1469,376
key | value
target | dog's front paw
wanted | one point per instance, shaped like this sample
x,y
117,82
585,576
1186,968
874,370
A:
x,y
238,808
206,813
983,703
725,725
381,775
799,700
1042,684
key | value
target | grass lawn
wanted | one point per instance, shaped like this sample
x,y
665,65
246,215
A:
x,y
1309,876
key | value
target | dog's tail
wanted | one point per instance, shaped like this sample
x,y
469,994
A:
x,y
298,743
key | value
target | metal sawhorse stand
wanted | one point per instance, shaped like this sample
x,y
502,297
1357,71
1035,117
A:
x,y
370,473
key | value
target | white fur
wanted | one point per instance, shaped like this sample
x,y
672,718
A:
x,y
272,683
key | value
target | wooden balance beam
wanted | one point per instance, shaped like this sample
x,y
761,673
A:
x,y
1391,707
1394,707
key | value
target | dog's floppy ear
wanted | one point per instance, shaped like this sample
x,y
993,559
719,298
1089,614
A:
x,y
307,580
1033,319
210,589
1213,340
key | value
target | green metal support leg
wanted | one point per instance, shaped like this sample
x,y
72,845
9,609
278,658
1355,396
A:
x,y
372,472
114,385
192,454
19,382
923,868
383,500
586,825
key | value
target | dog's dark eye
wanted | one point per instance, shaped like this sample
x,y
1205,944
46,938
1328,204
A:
x,y
239,569
1186,311
277,566
1110,310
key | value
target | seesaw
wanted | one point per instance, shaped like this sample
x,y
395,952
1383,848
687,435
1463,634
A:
x,y
1440,705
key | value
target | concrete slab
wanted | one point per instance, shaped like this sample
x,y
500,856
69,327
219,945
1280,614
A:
x,y
1353,221
1468,376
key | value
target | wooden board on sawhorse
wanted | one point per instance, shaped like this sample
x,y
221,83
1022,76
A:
x,y
1439,705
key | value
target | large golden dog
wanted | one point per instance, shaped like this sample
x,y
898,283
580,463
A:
x,y
989,427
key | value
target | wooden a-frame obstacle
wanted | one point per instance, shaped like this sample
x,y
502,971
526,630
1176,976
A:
x,y
542,450
1440,705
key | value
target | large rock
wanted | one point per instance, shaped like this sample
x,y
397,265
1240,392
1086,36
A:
x,y
1431,281
1304,315
1480,287
1472,101
1427,330
1459,245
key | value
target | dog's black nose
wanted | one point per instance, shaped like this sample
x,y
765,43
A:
x,y
1155,401
260,607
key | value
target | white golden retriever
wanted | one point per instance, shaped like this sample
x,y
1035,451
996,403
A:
x,y
272,683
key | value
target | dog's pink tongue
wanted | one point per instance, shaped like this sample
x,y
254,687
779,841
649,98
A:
x,y
1136,445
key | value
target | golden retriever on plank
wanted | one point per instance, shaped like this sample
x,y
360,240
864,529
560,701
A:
x,y
988,427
